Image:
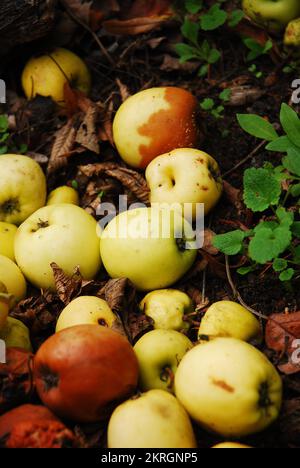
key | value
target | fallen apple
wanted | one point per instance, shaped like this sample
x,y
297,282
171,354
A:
x,y
153,242
153,122
7,240
229,387
186,176
292,34
13,279
86,310
82,373
273,15
22,188
63,195
159,353
64,234
41,434
229,319
15,334
167,308
152,420
46,75
231,445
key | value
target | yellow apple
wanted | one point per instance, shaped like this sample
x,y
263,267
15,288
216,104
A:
x,y
46,75
185,176
13,279
63,194
229,387
16,334
229,319
141,245
273,15
22,188
7,240
4,305
86,310
152,420
292,34
167,308
159,353
231,445
64,234
153,122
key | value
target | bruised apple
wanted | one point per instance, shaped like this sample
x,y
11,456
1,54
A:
x,y
22,188
82,373
86,310
153,420
64,234
47,74
154,122
41,434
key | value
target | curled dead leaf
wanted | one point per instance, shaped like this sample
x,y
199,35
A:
x,y
68,288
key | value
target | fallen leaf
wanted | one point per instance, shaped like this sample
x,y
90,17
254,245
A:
x,y
208,245
87,133
63,145
68,288
80,8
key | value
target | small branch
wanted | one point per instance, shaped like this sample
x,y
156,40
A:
x,y
88,29
243,161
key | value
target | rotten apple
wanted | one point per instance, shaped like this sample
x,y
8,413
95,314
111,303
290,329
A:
x,y
82,373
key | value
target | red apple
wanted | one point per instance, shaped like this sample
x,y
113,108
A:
x,y
82,373
41,434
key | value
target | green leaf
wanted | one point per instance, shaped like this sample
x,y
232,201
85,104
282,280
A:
x,y
281,145
257,126
3,123
3,149
190,31
261,190
290,123
207,104
243,271
268,245
285,217
186,52
213,19
296,254
287,275
280,264
235,18
295,191
256,49
193,6
292,161
230,243
296,229
213,56
225,95
266,225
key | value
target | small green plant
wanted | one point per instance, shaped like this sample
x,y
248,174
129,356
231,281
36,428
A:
x,y
274,192
256,49
210,20
215,109
7,143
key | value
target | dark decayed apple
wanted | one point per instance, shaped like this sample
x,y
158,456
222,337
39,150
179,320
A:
x,y
82,373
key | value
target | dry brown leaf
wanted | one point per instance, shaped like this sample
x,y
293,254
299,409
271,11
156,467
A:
x,y
80,8
87,133
67,287
208,245
124,91
244,95
171,64
135,26
62,147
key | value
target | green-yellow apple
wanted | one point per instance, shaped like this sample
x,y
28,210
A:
x,y
47,74
229,319
15,334
229,387
153,122
148,246
231,445
4,305
22,188
63,194
273,15
13,279
86,310
167,308
7,240
159,353
64,234
152,420
186,176
292,34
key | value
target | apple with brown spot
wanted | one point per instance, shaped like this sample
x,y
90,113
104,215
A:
x,y
153,122
82,373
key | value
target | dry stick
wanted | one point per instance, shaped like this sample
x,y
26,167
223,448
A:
x,y
243,303
243,161
88,29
